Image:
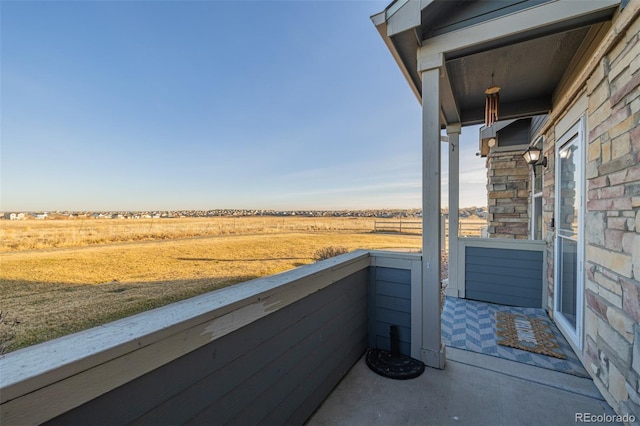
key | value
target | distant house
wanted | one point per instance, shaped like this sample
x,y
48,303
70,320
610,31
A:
x,y
14,216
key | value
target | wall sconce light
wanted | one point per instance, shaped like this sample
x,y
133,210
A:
x,y
532,157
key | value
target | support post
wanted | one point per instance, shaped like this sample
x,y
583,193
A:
x,y
453,131
433,351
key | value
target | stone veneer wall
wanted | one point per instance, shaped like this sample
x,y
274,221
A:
x,y
611,350
548,214
508,176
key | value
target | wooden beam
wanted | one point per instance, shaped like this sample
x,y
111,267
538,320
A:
x,y
432,349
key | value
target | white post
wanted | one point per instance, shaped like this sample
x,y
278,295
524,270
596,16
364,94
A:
x,y
433,352
453,131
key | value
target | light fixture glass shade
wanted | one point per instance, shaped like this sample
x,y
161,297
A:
x,y
532,155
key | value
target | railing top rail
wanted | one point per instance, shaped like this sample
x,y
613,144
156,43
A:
x,y
395,254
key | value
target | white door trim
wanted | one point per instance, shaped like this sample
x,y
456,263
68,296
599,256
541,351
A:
x,y
574,337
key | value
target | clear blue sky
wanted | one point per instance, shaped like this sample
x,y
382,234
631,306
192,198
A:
x,y
144,105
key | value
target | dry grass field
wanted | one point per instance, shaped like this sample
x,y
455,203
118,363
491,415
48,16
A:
x,y
88,274
62,276
42,234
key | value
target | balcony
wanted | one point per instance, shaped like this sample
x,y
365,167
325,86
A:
x,y
270,351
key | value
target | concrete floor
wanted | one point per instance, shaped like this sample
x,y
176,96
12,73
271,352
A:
x,y
473,389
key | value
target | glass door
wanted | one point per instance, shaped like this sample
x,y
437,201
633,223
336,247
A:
x,y
569,245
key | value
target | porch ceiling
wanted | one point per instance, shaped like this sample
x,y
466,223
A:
x,y
525,47
527,73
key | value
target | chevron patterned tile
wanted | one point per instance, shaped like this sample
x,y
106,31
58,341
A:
x,y
470,325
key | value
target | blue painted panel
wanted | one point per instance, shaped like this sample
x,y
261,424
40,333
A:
x,y
276,370
516,268
503,254
393,317
508,277
499,291
393,289
515,281
390,293
491,288
504,299
393,275
393,303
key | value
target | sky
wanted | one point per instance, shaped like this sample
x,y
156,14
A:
x,y
171,105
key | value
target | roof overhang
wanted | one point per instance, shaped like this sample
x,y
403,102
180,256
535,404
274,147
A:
x,y
526,47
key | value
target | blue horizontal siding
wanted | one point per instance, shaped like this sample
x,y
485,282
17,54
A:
x,y
504,276
390,304
513,270
398,304
402,276
531,291
498,256
402,319
514,281
503,299
392,289
276,370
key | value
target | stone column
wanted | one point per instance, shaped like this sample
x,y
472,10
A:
x,y
508,195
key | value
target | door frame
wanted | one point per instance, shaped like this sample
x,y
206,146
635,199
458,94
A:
x,y
574,337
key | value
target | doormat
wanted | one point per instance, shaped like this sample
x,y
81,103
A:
x,y
527,333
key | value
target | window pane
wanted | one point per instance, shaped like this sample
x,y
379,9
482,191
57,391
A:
x,y
537,182
537,218
567,299
570,175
